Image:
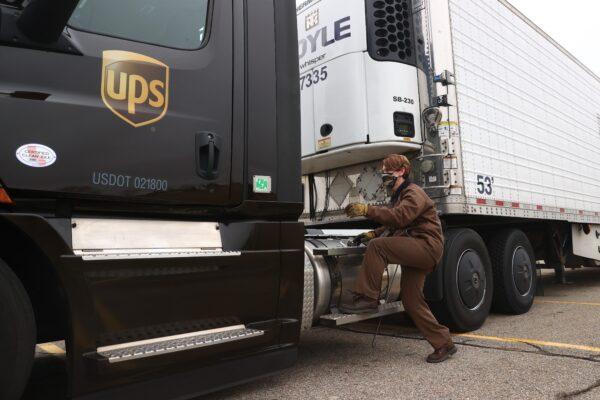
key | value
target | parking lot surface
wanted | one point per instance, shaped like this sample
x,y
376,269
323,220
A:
x,y
561,359
553,352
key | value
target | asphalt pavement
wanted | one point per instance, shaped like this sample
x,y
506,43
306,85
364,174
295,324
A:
x,y
553,352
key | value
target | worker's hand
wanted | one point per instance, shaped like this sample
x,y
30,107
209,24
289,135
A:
x,y
357,210
363,238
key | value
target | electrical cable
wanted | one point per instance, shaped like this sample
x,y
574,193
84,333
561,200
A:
x,y
311,196
327,192
387,292
316,193
467,343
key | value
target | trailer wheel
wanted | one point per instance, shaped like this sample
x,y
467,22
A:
x,y
513,263
17,335
468,282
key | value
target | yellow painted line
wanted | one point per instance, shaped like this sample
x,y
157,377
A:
x,y
532,341
51,348
581,303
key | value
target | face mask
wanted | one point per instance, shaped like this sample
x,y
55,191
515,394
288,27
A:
x,y
389,180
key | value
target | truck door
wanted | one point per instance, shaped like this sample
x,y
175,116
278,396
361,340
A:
x,y
139,108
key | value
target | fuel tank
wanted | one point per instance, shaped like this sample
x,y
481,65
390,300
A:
x,y
331,268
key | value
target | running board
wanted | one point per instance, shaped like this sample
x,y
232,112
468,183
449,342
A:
x,y
171,344
139,254
338,319
340,251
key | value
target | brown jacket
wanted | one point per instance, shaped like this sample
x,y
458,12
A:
x,y
413,214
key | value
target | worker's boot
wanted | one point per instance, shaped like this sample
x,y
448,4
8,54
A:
x,y
442,354
360,305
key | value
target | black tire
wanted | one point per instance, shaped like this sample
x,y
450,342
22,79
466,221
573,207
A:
x,y
467,301
17,335
513,263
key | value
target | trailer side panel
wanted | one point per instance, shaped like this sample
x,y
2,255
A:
x,y
528,114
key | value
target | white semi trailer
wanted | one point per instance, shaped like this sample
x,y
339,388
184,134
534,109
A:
x,y
502,125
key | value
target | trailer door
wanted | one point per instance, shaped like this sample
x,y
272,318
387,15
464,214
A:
x,y
143,113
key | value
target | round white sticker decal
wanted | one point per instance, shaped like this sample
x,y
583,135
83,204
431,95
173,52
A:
x,y
36,155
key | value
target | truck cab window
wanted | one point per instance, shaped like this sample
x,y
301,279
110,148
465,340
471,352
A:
x,y
179,24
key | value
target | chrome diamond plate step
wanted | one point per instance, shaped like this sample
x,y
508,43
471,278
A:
x,y
340,251
338,319
171,344
136,254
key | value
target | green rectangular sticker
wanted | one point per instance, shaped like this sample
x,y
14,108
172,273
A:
x,y
262,184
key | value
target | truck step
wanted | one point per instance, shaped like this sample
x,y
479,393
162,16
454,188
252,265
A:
x,y
171,344
340,251
137,254
338,319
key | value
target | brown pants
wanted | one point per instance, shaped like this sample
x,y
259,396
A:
x,y
416,263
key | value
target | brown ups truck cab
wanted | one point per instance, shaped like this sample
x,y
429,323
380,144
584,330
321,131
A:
x,y
149,193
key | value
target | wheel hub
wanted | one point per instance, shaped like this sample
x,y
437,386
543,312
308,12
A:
x,y
522,271
475,281
471,280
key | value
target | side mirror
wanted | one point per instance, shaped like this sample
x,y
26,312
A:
x,y
43,21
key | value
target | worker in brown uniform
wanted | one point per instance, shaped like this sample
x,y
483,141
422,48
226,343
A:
x,y
411,236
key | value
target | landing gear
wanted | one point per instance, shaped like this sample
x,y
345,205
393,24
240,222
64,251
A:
x,y
560,277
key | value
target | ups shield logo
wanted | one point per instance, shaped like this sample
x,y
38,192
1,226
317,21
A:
x,y
135,87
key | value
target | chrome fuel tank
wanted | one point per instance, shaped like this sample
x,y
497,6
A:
x,y
331,269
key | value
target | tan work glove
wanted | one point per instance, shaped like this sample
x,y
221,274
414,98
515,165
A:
x,y
357,210
363,238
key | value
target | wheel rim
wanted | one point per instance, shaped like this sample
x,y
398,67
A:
x,y
522,271
471,280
